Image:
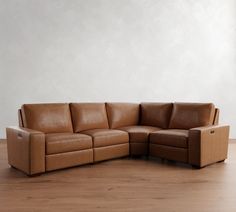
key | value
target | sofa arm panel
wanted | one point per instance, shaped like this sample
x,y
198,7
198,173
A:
x,y
208,144
26,149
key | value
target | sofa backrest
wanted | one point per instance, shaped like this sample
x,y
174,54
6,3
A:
x,y
122,114
156,114
88,116
47,118
56,117
190,115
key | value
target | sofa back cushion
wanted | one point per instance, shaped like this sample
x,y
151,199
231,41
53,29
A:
x,y
47,118
156,114
88,116
190,115
122,114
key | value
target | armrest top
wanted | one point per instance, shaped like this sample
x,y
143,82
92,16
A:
x,y
209,127
24,130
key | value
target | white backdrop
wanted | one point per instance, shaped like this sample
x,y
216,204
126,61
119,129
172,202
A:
x,y
117,50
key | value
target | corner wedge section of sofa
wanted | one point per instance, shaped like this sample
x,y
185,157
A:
x,y
208,145
26,150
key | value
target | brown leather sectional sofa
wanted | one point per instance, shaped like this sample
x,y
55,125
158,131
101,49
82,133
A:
x,y
56,136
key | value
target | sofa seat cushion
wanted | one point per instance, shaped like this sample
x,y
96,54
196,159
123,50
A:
x,y
107,137
171,137
67,142
139,134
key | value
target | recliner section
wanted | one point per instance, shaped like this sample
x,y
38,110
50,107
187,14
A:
x,y
91,119
67,142
105,140
171,137
55,136
171,144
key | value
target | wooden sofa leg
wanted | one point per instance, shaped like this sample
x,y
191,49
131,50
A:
x,y
196,167
34,175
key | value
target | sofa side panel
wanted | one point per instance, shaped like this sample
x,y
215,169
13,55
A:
x,y
208,145
26,150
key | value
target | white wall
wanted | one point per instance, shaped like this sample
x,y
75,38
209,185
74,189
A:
x,y
117,50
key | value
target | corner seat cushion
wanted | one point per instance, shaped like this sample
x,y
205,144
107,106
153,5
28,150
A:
x,y
107,137
171,137
139,134
67,142
191,115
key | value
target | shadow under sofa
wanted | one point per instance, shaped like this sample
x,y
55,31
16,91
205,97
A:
x,y
60,135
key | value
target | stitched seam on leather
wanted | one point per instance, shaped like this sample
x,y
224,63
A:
x,y
106,105
30,153
73,129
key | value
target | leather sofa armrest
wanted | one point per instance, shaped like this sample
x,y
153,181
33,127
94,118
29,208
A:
x,y
26,149
208,144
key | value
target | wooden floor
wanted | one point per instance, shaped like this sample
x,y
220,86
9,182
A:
x,y
122,185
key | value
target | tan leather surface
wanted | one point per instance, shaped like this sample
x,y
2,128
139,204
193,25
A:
x,y
189,115
171,137
195,140
122,114
107,137
156,114
47,118
26,149
88,116
208,145
139,148
69,159
216,116
20,121
139,133
110,152
167,152
67,142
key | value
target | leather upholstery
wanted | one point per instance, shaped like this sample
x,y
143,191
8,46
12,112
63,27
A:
x,y
139,149
208,144
68,159
122,114
168,152
110,152
156,114
67,142
88,116
172,137
138,138
107,137
26,150
47,118
190,115
139,133
48,143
